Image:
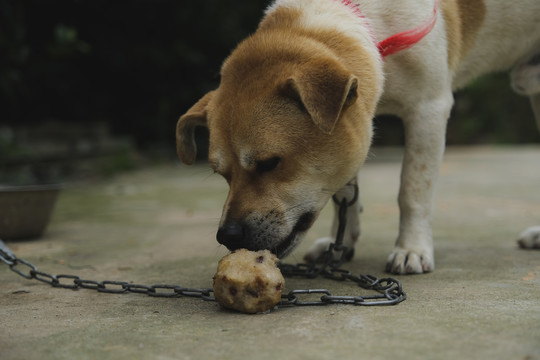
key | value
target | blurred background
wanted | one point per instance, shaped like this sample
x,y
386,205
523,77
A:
x,y
89,88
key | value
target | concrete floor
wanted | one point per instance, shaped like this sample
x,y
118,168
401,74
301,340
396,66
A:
x,y
157,226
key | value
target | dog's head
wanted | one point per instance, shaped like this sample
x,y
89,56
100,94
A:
x,y
289,126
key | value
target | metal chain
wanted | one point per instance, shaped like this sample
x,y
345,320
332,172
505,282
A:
x,y
389,290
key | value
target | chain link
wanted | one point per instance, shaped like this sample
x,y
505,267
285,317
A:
x,y
389,291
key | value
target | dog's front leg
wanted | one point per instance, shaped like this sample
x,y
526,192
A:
x,y
352,230
425,130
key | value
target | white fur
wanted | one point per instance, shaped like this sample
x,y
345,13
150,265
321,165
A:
x,y
530,238
352,229
510,34
526,79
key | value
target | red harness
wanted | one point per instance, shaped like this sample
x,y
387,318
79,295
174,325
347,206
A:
x,y
402,40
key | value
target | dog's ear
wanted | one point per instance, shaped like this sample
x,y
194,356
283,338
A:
x,y
324,90
185,129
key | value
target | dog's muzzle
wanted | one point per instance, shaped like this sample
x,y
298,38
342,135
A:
x,y
239,235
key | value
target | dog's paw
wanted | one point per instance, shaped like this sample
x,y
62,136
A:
x,y
317,249
403,261
315,252
530,238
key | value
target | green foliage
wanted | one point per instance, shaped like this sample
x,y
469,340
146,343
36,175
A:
x,y
120,161
137,65
489,112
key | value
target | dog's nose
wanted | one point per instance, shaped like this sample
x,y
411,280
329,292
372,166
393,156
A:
x,y
232,235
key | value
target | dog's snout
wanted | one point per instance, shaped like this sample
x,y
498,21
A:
x,y
232,235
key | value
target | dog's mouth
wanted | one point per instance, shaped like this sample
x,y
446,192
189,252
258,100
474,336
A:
x,y
289,243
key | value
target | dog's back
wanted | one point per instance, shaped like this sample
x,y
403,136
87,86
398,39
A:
x,y
509,32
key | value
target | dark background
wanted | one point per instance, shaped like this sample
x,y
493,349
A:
x,y
136,66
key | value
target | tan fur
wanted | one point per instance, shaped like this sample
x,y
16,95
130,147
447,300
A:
x,y
318,69
472,14
295,71
463,19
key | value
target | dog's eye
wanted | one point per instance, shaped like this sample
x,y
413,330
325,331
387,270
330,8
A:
x,y
267,165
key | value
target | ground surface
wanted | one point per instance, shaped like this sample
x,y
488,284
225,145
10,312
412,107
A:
x,y
158,226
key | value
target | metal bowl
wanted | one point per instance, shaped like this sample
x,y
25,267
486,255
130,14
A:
x,y
25,211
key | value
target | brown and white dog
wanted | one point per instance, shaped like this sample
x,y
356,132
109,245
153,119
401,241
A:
x,y
291,121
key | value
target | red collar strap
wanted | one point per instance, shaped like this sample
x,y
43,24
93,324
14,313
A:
x,y
402,40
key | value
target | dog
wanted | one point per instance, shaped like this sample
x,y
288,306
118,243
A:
x,y
290,124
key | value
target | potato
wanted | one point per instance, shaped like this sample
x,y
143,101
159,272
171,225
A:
x,y
248,281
